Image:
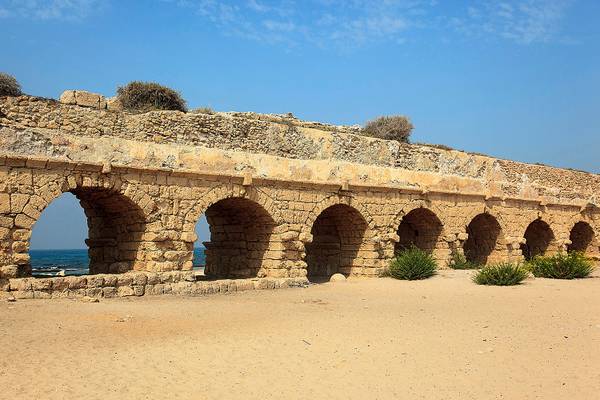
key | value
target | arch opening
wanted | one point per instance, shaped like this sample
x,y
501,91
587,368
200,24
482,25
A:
x,y
337,236
202,231
538,239
582,237
115,229
66,253
484,233
420,228
240,236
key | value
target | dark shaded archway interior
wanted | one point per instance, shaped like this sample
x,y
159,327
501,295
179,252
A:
x,y
582,237
538,238
338,233
240,235
484,231
420,228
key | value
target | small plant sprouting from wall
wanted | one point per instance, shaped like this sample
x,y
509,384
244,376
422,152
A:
x,y
571,265
501,274
149,96
393,127
412,264
9,85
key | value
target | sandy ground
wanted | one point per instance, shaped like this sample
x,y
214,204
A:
x,y
443,338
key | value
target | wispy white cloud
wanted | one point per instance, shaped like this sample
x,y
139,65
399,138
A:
x,y
49,9
521,21
321,22
342,23
358,22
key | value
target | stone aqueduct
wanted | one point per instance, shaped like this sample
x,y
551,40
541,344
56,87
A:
x,y
286,200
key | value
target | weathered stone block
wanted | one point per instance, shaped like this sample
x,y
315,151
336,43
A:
x,y
95,292
167,288
39,294
95,281
28,294
20,247
189,237
18,202
42,284
60,284
124,280
68,97
4,203
113,104
83,99
152,278
166,277
138,290
22,284
245,284
21,234
6,222
125,291
76,282
9,271
109,280
24,221
60,294
21,258
109,292
156,289
76,293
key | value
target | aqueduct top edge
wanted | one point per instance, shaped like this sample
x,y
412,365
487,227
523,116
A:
x,y
240,145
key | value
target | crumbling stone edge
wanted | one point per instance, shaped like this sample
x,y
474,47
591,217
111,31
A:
x,y
184,283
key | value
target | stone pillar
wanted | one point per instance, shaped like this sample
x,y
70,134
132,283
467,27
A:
x,y
515,253
15,230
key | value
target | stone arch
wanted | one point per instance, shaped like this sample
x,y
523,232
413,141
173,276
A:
x,y
484,238
539,239
419,227
245,238
241,231
582,238
221,192
348,200
117,220
338,243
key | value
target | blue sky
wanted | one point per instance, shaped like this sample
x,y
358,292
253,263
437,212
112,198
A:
x,y
513,79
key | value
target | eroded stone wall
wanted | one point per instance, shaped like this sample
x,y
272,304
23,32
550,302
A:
x,y
145,180
289,138
134,284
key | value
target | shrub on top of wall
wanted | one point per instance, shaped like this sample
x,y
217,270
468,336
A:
x,y
571,265
393,127
9,85
502,274
412,264
459,261
149,96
